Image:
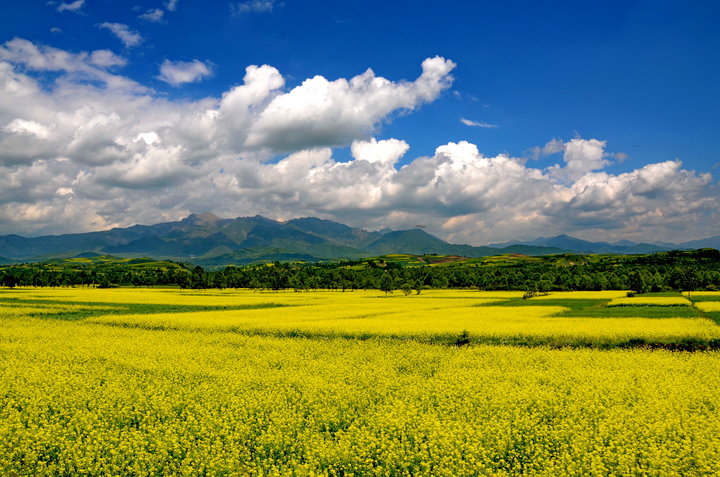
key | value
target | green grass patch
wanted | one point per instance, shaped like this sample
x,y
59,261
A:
x,y
695,298
99,308
588,308
713,315
649,311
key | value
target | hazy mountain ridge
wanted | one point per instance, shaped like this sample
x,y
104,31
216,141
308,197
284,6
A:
x,y
208,239
623,247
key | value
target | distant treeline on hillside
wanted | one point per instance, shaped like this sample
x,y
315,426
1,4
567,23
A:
x,y
676,270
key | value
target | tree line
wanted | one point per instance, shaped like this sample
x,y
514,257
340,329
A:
x,y
686,270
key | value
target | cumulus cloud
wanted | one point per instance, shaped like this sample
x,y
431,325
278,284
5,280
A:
x,y
330,113
177,73
579,155
128,37
171,5
476,124
386,152
80,153
582,156
153,15
70,7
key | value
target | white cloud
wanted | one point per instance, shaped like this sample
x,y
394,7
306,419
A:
x,y
177,73
153,15
476,124
580,156
84,154
329,113
21,126
106,59
171,5
382,152
583,156
79,67
252,6
127,36
152,166
70,7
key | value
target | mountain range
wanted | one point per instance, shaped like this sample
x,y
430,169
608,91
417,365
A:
x,y
623,247
208,240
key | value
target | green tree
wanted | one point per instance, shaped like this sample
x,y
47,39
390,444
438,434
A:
x,y
637,283
386,283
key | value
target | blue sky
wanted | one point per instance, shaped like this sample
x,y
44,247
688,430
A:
x,y
598,120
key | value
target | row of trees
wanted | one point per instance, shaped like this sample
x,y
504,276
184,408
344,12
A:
x,y
645,273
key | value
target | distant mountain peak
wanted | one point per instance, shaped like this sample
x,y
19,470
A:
x,y
205,218
261,218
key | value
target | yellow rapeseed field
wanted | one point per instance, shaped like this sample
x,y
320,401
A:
x,y
708,306
483,324
708,294
147,382
432,315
